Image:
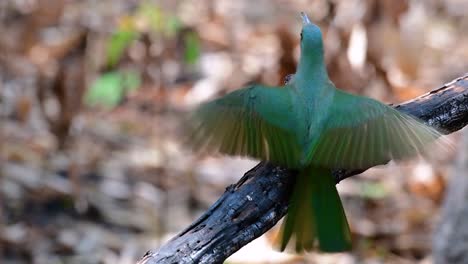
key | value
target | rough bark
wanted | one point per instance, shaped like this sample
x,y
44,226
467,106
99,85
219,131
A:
x,y
255,204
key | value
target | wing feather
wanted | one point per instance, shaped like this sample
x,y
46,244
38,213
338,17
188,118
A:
x,y
361,132
255,121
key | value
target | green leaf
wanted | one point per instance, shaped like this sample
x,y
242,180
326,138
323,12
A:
x,y
118,43
192,48
109,89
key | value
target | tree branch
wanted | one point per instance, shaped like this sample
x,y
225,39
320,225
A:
x,y
258,201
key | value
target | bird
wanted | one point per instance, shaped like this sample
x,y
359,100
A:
x,y
310,126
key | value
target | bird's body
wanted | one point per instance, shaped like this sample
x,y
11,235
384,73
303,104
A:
x,y
311,126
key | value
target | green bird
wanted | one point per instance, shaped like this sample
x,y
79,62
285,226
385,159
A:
x,y
311,126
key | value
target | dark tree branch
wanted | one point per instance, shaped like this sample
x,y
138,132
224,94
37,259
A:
x,y
252,206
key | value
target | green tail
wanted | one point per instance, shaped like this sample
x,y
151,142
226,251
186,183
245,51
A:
x,y
315,211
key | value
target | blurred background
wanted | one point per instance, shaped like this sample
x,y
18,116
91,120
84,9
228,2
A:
x,y
92,164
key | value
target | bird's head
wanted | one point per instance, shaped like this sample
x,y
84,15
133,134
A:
x,y
311,35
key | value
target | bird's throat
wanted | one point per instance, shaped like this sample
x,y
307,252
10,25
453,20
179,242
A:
x,y
311,75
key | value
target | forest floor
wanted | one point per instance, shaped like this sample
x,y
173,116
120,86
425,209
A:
x,y
93,166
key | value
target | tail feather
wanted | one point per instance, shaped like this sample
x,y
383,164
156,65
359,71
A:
x,y
315,214
332,226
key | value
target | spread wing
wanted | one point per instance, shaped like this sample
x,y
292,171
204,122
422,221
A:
x,y
257,121
362,132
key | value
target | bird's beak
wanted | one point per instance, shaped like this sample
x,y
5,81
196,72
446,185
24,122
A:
x,y
305,19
